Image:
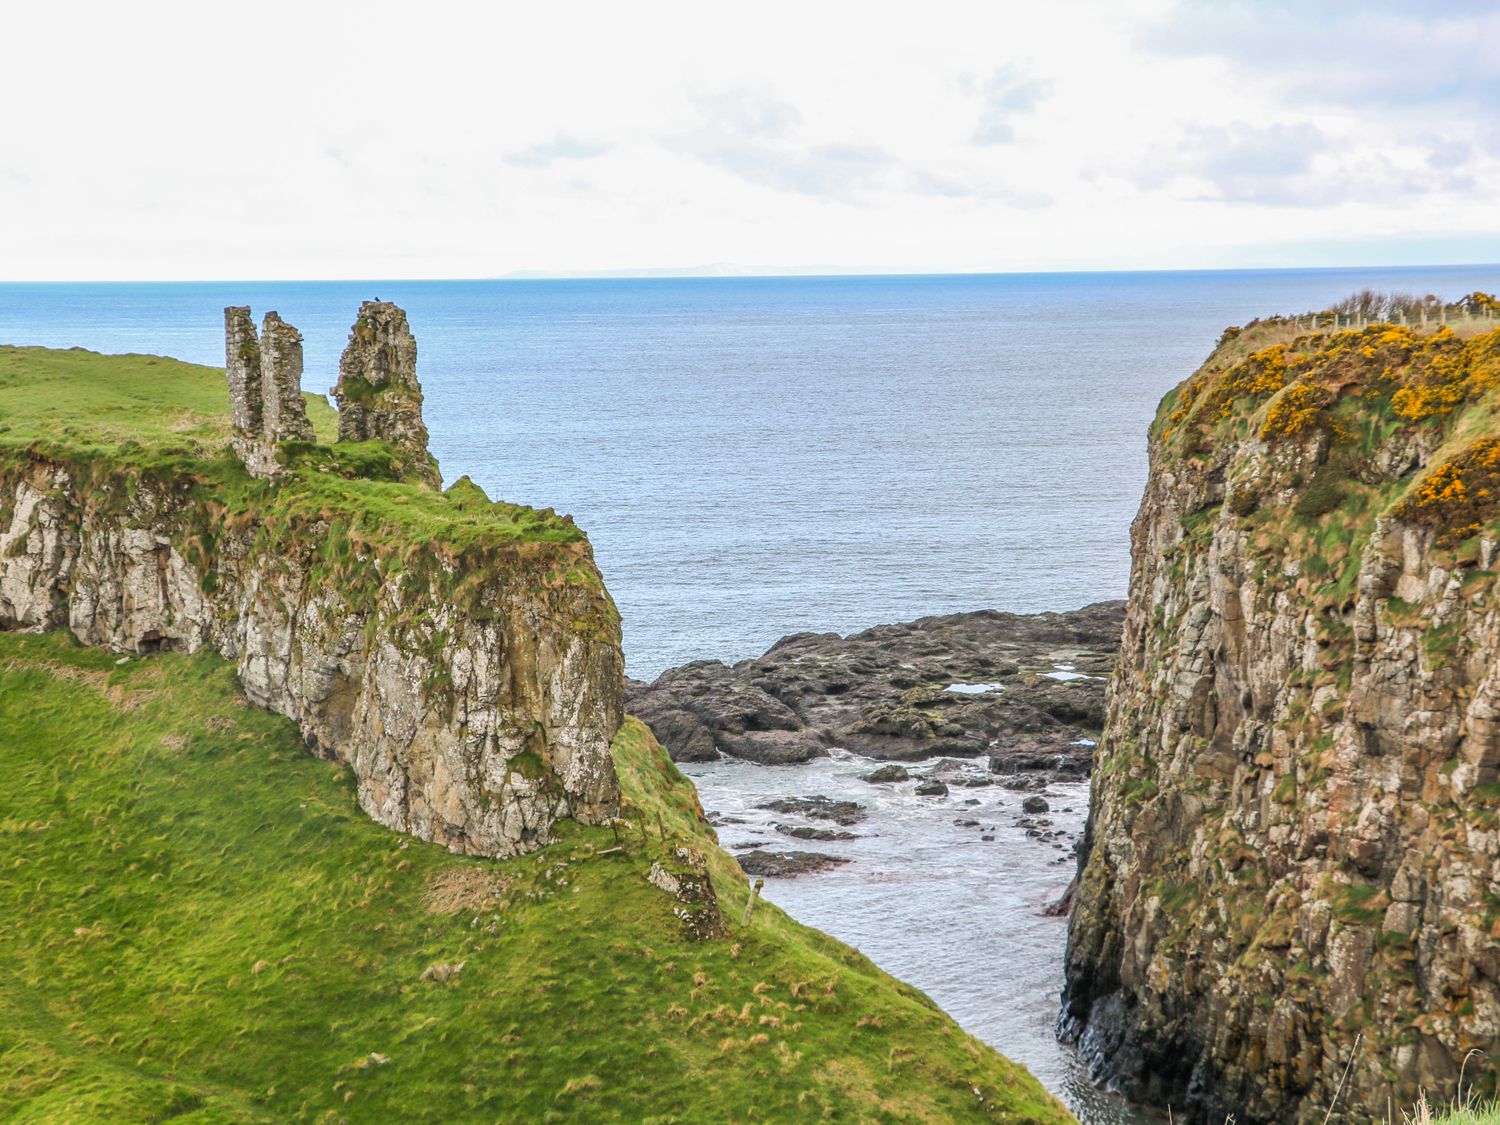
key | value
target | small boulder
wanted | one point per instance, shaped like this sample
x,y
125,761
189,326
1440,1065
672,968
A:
x,y
787,865
887,774
808,832
931,788
1035,804
843,813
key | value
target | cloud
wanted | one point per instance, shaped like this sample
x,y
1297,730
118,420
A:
x,y
1299,165
560,147
1007,95
761,139
1380,53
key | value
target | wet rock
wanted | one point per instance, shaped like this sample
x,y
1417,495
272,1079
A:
x,y
1021,782
772,747
787,865
961,823
883,693
931,789
699,710
842,813
887,774
1035,805
808,832
1061,907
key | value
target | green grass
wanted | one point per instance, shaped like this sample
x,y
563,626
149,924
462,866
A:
x,y
93,401
198,923
1488,1114
118,423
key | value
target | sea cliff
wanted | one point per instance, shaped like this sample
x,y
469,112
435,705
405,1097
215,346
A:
x,y
1294,844
462,657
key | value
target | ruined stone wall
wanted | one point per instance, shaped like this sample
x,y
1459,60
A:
x,y
265,387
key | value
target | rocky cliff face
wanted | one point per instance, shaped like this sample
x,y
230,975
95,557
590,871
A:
x,y
1293,856
462,657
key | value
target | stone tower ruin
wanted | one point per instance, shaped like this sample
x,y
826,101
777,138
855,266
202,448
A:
x,y
378,396
265,387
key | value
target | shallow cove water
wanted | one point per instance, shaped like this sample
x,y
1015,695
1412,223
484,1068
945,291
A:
x,y
931,902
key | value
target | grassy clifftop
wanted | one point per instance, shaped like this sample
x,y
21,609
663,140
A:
x,y
198,923
1360,394
168,421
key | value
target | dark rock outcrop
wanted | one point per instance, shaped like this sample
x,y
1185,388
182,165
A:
x,y
1036,692
819,808
787,865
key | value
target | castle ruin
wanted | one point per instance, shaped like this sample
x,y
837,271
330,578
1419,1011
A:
x,y
265,387
378,395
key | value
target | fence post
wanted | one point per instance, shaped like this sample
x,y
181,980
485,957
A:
x,y
750,905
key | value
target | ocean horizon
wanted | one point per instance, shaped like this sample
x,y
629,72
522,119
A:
x,y
758,456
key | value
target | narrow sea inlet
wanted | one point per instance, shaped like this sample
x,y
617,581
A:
x,y
946,893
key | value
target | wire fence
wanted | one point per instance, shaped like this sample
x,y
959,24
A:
x,y
1432,317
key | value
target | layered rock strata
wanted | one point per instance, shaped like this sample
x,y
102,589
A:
x,y
1292,864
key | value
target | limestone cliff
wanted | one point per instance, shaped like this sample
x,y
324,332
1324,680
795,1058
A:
x,y
462,657
1293,855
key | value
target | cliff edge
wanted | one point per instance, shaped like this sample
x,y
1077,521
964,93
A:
x,y
462,656
1293,851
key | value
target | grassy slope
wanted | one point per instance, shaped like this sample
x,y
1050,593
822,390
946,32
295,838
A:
x,y
197,921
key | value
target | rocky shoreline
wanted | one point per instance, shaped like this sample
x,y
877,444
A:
x,y
980,699
1025,691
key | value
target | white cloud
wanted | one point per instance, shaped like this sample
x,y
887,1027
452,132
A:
x,y
182,139
560,147
1008,95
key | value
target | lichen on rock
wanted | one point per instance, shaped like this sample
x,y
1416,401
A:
x,y
1294,838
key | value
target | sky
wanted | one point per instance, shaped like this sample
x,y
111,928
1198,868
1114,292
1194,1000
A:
x,y
271,140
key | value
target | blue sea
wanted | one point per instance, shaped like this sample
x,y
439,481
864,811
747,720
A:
x,y
758,456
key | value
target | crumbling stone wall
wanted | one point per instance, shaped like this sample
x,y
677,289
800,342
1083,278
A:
x,y
265,387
